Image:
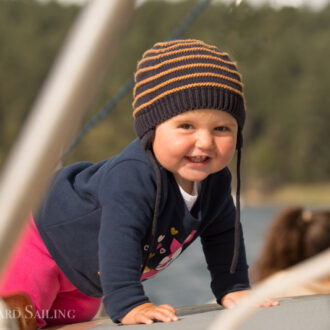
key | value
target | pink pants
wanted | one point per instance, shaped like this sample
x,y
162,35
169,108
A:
x,y
32,269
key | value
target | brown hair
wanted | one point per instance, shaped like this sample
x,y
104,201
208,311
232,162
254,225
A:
x,y
294,235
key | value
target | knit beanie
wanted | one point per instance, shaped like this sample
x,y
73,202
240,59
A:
x,y
182,75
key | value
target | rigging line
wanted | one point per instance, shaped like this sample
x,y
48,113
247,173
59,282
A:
x,y
110,105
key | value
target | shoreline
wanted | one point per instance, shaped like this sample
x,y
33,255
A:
x,y
308,195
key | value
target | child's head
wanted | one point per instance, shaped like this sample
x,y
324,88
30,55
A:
x,y
294,235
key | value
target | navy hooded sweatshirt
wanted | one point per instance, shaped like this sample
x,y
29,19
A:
x,y
96,219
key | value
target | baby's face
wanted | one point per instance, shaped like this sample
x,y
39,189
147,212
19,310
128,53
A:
x,y
195,144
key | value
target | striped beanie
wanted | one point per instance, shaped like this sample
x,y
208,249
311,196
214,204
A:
x,y
181,75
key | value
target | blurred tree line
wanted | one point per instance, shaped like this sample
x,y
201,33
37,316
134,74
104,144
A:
x,y
282,54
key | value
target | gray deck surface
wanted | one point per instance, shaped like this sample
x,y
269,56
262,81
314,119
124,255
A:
x,y
298,313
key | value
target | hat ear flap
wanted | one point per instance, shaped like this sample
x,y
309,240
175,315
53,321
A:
x,y
239,141
147,139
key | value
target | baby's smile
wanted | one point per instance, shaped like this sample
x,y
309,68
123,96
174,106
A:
x,y
198,159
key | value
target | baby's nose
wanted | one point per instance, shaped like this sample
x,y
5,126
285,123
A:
x,y
204,140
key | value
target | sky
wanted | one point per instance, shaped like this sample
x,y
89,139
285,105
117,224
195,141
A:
x,y
317,4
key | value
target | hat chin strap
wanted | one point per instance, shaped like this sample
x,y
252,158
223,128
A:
x,y
147,145
237,237
239,141
237,234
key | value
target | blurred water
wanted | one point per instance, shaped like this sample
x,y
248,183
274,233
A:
x,y
187,280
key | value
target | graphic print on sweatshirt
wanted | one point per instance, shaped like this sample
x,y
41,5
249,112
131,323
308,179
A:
x,y
169,256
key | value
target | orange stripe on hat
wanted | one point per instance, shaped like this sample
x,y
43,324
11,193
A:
x,y
189,66
187,59
187,50
144,105
197,75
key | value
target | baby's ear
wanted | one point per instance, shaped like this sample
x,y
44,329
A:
x,y
147,139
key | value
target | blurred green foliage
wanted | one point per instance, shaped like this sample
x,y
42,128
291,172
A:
x,y
282,54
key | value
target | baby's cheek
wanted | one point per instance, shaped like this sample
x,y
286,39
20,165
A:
x,y
228,150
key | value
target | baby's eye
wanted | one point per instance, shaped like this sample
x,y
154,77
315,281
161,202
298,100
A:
x,y
186,126
222,128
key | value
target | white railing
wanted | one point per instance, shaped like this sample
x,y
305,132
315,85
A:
x,y
309,270
57,112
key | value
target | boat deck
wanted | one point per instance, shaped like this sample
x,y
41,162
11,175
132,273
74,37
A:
x,y
296,313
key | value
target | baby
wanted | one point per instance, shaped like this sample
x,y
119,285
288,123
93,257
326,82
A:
x,y
103,228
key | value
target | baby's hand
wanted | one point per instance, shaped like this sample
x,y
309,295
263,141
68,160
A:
x,y
148,312
231,299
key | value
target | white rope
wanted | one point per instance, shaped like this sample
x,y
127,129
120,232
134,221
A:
x,y
307,271
57,112
56,116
